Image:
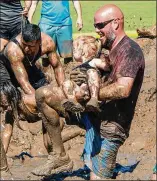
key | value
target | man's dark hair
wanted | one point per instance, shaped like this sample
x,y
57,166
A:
x,y
31,32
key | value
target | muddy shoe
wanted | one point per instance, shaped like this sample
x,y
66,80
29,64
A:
x,y
55,164
72,106
93,105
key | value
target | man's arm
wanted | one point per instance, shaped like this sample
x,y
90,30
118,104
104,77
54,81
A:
x,y
18,68
27,5
118,90
49,48
57,66
32,10
79,22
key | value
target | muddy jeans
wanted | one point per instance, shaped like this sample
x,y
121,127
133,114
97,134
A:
x,y
99,152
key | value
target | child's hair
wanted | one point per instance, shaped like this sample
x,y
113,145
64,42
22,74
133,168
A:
x,y
87,46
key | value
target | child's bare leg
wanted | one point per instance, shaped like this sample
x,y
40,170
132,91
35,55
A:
x,y
71,104
94,85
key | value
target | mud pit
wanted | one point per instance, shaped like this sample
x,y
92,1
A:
x,y
140,146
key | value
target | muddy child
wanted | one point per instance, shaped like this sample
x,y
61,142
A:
x,y
86,49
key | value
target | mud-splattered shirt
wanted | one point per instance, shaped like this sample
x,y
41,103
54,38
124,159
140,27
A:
x,y
126,60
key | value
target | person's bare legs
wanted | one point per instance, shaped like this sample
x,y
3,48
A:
x,y
5,173
71,104
8,130
3,43
48,100
46,138
94,85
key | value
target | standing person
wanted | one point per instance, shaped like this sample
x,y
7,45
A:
x,y
11,13
119,95
56,22
18,65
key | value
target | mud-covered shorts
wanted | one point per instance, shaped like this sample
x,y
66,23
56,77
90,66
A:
x,y
99,153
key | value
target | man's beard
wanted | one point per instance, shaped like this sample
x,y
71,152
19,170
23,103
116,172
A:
x,y
110,37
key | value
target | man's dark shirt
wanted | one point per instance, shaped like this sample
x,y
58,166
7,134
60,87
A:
x,y
127,60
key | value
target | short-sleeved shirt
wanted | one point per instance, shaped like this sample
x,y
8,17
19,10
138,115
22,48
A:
x,y
55,13
126,60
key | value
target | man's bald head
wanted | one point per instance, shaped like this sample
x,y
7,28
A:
x,y
109,11
109,24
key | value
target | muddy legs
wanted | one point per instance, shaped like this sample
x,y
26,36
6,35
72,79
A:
x,y
5,173
58,159
7,133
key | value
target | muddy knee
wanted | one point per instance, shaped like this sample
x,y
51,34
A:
x,y
40,95
68,84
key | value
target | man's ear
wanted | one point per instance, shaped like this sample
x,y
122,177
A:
x,y
116,24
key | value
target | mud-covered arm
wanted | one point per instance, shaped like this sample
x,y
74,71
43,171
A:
x,y
79,22
125,74
57,66
118,90
32,10
18,68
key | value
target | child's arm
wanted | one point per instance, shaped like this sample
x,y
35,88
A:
x,y
100,64
93,82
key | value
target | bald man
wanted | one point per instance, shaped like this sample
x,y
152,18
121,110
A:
x,y
118,95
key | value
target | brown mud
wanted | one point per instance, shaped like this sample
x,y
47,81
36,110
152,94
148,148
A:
x,y
140,146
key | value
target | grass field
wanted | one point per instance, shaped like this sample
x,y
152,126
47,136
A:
x,y
137,14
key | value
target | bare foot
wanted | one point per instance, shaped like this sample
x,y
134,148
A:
x,y
72,106
93,105
55,164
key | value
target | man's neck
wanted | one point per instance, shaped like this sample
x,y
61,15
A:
x,y
117,40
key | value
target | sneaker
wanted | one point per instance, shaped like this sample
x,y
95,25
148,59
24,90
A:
x,y
55,164
72,106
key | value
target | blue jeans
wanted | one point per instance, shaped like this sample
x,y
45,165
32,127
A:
x,y
62,36
99,153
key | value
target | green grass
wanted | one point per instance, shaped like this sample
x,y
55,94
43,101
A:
x,y
133,12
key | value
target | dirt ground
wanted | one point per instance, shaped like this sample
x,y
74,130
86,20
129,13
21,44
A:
x,y
140,146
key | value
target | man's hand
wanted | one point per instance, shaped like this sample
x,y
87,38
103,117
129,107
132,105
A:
x,y
79,24
79,76
28,99
25,11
